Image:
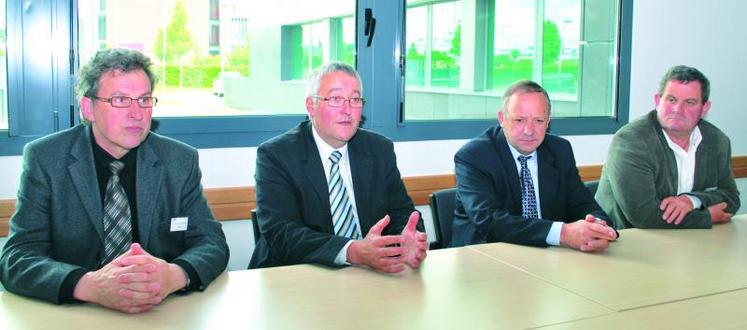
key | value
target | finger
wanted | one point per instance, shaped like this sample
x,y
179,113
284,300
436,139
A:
x,y
602,231
137,297
133,277
680,217
412,222
422,237
389,252
137,260
379,226
720,206
667,216
595,245
143,287
590,218
387,240
665,203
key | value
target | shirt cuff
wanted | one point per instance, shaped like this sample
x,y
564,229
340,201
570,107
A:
x,y
553,236
342,256
68,286
193,280
697,203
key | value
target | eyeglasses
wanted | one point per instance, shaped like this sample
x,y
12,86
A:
x,y
338,101
126,101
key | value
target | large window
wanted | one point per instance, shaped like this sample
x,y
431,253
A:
x,y
3,72
232,72
459,60
228,57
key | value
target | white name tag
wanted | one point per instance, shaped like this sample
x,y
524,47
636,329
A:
x,y
179,224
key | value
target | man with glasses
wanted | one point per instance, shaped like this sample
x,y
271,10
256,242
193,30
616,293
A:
x,y
109,212
329,192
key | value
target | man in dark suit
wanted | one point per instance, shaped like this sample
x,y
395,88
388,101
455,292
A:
x,y
109,212
329,192
518,185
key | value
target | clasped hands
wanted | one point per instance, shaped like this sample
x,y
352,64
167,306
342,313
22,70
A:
x,y
390,253
675,209
589,234
132,283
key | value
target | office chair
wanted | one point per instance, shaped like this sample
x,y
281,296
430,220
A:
x,y
592,186
255,226
442,209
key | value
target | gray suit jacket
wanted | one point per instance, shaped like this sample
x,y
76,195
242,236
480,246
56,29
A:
x,y
641,171
57,227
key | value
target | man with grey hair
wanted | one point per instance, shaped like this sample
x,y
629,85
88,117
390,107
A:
x,y
671,168
109,212
517,184
329,192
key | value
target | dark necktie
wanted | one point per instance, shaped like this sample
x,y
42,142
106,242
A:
x,y
528,199
343,217
117,218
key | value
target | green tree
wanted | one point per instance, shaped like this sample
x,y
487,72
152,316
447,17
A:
x,y
178,38
456,42
550,42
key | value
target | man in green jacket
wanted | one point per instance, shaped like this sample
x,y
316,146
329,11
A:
x,y
670,168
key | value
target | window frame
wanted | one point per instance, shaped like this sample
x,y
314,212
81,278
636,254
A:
x,y
380,67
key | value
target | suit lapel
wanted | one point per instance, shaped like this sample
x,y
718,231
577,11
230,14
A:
x,y
548,180
361,166
512,175
148,183
83,175
314,172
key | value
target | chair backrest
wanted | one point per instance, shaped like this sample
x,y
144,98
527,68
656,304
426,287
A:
x,y
592,186
255,226
442,209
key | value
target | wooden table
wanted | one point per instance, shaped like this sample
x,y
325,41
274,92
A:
x,y
644,267
454,288
648,279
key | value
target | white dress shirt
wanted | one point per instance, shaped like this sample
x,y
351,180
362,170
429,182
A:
x,y
325,150
686,165
553,236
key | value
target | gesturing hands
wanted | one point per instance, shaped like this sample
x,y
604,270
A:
x,y
132,283
675,208
415,242
390,253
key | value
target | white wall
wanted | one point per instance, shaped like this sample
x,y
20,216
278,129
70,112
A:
x,y
665,33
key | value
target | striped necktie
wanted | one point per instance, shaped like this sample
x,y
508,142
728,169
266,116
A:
x,y
117,218
528,199
343,216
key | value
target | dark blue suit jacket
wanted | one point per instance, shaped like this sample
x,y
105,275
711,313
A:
x,y
488,205
293,198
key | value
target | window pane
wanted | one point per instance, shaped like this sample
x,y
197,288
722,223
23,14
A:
x,y
560,48
460,61
514,42
3,74
227,57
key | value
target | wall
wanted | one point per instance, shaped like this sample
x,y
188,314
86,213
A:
x,y
665,33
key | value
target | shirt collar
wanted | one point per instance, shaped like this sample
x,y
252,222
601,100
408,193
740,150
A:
x,y
515,153
695,138
325,149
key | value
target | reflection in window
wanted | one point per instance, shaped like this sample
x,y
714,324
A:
x,y
459,60
223,57
3,74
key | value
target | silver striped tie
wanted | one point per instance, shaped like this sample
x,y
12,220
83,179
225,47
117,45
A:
x,y
343,216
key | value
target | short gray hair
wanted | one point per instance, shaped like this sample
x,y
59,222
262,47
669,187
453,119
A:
x,y
686,74
524,86
315,79
115,59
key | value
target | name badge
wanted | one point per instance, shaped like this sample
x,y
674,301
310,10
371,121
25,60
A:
x,y
179,224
